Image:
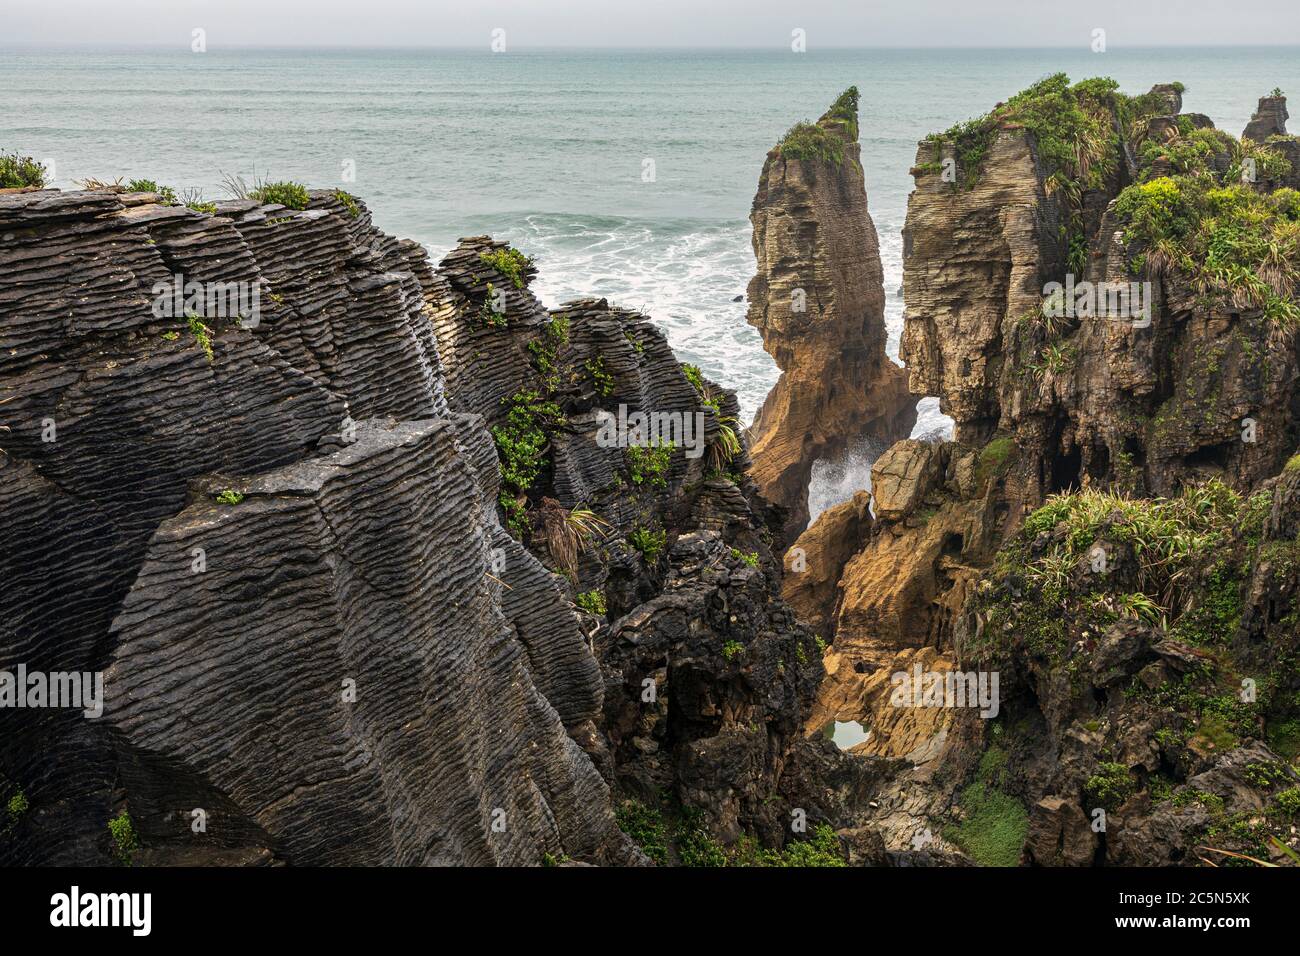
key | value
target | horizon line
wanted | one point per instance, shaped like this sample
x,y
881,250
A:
x,y
12,46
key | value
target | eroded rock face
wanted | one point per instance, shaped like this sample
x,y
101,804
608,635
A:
x,y
1141,402
1269,119
974,260
732,673
282,538
352,662
814,564
1204,390
371,645
708,676
818,302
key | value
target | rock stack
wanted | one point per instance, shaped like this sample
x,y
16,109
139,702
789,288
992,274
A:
x,y
819,303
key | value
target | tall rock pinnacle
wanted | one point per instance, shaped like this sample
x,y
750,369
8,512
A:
x,y
818,300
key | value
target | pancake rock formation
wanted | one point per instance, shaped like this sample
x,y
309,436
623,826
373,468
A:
x,y
379,563
279,546
818,301
1103,292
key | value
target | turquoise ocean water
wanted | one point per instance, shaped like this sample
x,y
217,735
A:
x,y
547,148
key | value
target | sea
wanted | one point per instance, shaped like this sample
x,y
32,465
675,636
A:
x,y
626,173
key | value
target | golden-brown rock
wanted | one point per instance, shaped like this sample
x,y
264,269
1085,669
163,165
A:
x,y
818,301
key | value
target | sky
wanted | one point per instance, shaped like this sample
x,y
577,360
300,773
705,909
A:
x,y
648,23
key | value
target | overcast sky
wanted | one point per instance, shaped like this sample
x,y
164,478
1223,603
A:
x,y
619,23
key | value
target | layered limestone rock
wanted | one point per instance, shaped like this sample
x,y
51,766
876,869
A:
x,y
279,546
1192,380
274,516
1141,400
373,646
818,302
658,536
814,564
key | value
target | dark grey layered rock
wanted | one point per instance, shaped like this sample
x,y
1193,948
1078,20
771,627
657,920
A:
x,y
278,534
363,550
345,681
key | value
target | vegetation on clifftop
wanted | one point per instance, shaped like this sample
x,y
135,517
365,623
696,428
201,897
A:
x,y
1075,127
1232,239
825,139
510,262
291,195
1087,559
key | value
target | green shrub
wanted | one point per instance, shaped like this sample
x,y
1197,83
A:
x,y
601,381
593,602
19,171
17,805
731,649
516,514
546,351
694,376
649,543
291,195
349,202
1264,774
1236,241
645,827
695,847
202,334
229,497
165,193
822,850
1110,786
809,141
1287,802
1167,534
825,139
510,262
522,440
648,465
124,842
749,557
488,315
